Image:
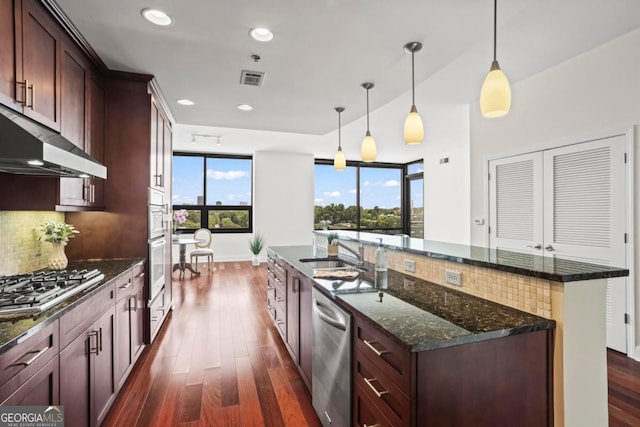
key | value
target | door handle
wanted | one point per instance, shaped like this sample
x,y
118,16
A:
x,y
537,246
93,350
318,307
549,248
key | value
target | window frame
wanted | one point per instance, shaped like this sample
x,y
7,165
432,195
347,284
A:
x,y
205,208
379,165
408,178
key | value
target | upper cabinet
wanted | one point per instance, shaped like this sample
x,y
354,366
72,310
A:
x,y
160,140
30,69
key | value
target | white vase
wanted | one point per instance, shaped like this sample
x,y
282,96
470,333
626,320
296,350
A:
x,y
255,260
58,259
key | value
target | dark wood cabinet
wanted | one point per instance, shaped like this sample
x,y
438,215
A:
x,y
42,388
87,386
306,329
38,78
9,10
129,321
293,312
29,359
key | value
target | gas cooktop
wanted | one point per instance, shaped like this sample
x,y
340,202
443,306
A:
x,y
36,292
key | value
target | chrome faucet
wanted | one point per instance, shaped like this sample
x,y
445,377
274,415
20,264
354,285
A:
x,y
359,255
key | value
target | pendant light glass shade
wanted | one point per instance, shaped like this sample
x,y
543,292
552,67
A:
x,y
413,127
368,150
495,95
339,161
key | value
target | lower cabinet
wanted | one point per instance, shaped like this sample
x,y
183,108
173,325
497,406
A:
x,y
306,329
157,312
86,373
129,323
41,389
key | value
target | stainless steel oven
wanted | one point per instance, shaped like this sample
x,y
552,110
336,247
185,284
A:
x,y
157,242
156,266
157,212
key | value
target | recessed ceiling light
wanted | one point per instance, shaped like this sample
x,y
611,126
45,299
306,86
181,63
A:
x,y
184,101
35,162
261,34
245,107
157,17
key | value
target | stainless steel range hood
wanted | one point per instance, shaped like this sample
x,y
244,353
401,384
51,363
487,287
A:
x,y
28,148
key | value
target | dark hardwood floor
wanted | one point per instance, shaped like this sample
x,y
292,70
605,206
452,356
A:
x,y
219,361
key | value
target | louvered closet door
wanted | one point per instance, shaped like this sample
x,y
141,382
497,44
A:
x,y
585,215
515,205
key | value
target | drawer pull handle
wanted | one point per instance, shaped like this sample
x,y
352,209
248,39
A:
x,y
280,322
139,276
279,299
375,350
372,425
126,286
93,350
37,354
378,393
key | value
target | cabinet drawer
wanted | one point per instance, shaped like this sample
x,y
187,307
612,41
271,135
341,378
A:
x,y
275,275
387,354
279,295
138,274
19,363
374,384
74,322
156,313
280,320
365,413
124,284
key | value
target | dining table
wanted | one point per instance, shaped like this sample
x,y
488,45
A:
x,y
182,265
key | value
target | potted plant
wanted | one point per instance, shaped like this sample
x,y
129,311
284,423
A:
x,y
332,250
58,234
255,245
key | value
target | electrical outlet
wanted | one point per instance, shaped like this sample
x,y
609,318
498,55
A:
x,y
453,277
410,265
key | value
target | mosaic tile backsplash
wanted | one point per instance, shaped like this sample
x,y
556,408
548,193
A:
x,y
20,250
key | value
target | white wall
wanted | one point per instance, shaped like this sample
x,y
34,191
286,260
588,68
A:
x,y
283,197
587,95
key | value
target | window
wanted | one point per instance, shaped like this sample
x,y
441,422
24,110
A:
x,y
362,197
414,189
216,192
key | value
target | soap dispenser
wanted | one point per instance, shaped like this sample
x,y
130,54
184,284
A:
x,y
381,267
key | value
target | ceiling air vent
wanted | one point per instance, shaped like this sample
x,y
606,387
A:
x,y
251,78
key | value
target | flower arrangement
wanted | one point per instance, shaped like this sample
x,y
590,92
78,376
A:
x,y
325,223
180,216
56,232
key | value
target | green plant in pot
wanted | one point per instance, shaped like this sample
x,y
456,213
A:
x,y
256,243
332,248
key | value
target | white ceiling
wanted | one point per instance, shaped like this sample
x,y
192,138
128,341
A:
x,y
324,49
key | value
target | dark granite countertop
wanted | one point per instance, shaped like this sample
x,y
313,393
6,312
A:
x,y
420,314
15,328
555,269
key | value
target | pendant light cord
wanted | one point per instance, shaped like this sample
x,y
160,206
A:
x,y
495,26
367,110
413,81
339,139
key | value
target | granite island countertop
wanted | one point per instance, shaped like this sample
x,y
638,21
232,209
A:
x,y
420,314
15,328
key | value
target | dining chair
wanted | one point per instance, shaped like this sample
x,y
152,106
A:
x,y
204,248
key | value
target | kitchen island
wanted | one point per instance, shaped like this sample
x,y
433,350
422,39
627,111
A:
x,y
567,292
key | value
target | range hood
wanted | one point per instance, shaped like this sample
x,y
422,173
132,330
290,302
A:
x,y
28,148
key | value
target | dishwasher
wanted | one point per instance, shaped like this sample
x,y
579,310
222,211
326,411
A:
x,y
331,362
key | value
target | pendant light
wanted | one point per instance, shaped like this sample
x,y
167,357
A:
x,y
368,150
413,127
495,96
339,161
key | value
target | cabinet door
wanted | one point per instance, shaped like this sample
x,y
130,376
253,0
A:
x,y
41,45
136,304
155,180
306,328
103,383
122,339
75,379
8,65
293,313
41,389
95,142
72,95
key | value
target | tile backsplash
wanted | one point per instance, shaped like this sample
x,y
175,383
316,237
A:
x,y
20,250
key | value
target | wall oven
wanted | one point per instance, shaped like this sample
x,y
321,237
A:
x,y
157,242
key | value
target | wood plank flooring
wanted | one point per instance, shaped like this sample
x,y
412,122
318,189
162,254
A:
x,y
219,361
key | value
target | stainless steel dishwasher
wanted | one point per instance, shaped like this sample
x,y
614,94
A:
x,y
331,362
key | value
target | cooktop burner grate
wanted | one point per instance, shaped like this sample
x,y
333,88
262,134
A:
x,y
38,291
